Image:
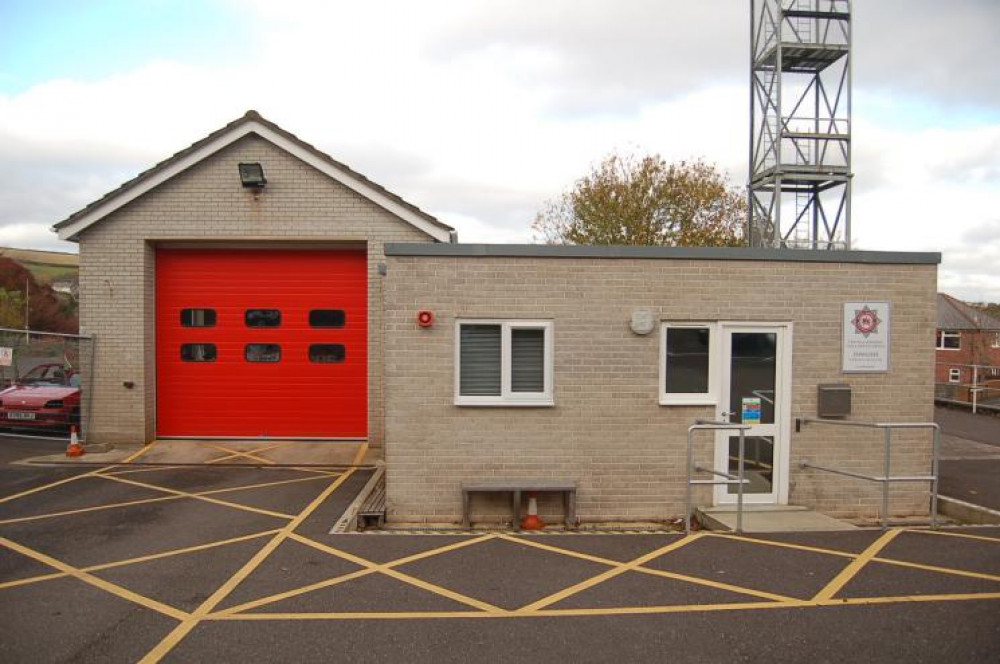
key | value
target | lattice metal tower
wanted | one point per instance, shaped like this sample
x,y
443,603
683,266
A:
x,y
800,124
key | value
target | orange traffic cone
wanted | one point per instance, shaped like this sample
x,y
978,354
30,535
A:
x,y
74,449
531,521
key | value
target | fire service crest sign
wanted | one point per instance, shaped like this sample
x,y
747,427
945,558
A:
x,y
865,343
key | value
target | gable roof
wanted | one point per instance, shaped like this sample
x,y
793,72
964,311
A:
x,y
251,123
954,314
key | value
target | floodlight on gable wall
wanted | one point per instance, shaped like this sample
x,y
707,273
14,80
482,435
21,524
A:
x,y
252,176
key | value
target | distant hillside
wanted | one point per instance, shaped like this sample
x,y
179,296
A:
x,y
56,268
27,302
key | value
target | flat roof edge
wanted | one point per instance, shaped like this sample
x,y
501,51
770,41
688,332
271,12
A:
x,y
677,253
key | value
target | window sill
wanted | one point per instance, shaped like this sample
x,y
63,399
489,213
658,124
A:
x,y
510,403
692,402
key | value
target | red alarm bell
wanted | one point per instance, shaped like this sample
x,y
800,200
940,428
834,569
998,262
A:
x,y
425,319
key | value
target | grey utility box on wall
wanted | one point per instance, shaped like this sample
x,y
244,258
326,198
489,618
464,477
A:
x,y
833,400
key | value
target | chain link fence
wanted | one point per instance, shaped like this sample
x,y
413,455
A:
x,y
45,382
976,386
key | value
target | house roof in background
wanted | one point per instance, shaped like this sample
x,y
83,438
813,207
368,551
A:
x,y
953,314
250,123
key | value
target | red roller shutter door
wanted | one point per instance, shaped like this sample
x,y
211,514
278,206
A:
x,y
206,385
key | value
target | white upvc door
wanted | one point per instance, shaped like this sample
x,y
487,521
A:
x,y
756,369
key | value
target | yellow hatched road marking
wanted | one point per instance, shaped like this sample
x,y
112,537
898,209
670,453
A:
x,y
318,471
95,508
399,561
566,552
206,607
197,496
277,597
610,611
369,567
955,597
401,615
142,501
655,572
935,568
609,574
981,538
360,454
112,588
387,569
783,545
855,566
763,594
140,559
92,473
249,454
544,613
143,469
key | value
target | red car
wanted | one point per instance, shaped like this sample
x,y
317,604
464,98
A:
x,y
47,397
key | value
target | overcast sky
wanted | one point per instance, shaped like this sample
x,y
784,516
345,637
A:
x,y
479,112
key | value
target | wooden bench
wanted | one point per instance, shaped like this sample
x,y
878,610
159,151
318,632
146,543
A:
x,y
372,510
516,488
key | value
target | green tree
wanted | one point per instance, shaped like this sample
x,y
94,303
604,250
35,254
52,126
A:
x,y
646,201
11,309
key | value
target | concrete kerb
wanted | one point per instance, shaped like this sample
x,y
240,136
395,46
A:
x,y
967,512
348,522
97,455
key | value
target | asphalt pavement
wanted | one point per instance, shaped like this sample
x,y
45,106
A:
x,y
981,427
970,465
235,564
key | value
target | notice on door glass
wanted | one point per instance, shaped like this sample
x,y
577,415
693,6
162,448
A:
x,y
865,343
751,411
6,356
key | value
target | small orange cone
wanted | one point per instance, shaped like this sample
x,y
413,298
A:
x,y
531,521
74,449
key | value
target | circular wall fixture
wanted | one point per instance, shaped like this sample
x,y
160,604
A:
x,y
425,318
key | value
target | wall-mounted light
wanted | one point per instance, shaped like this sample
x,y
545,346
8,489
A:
x,y
252,176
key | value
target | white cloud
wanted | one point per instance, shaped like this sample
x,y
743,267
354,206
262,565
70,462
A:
x,y
33,236
478,112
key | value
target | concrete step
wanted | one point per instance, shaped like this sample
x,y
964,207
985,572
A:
x,y
769,519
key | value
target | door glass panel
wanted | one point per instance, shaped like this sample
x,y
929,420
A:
x,y
198,317
327,353
327,318
263,317
758,463
198,352
752,373
262,353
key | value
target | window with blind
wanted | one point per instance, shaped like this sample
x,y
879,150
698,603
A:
x,y
501,363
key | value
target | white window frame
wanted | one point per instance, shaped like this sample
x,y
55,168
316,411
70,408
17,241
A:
x,y
709,398
954,375
995,343
507,397
949,334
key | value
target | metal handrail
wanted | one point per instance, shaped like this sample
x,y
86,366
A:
x,y
886,478
48,334
738,479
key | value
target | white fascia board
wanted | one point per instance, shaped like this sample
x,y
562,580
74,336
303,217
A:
x,y
71,231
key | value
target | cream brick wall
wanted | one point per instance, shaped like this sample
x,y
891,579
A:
x,y
206,202
607,429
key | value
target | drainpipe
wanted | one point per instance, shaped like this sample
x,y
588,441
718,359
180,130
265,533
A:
x,y
975,386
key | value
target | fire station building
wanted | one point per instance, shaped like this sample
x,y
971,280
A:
x,y
252,287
